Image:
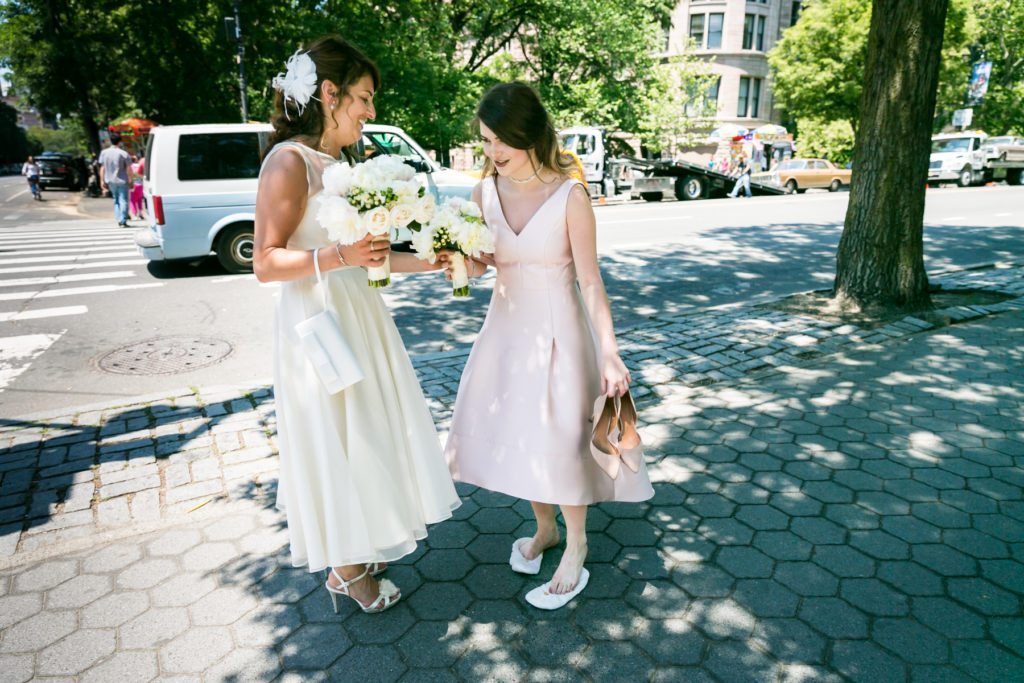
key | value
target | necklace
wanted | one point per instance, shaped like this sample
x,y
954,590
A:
x,y
517,181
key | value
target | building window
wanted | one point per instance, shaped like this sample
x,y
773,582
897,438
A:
x,y
753,32
741,105
750,97
712,96
715,22
697,29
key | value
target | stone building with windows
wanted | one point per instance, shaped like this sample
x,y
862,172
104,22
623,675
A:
x,y
736,36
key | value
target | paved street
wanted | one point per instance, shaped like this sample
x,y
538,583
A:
x,y
832,503
77,305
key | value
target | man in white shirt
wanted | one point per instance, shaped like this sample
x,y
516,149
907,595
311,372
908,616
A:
x,y
30,169
115,174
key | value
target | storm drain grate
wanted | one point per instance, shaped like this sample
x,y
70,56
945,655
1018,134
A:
x,y
165,356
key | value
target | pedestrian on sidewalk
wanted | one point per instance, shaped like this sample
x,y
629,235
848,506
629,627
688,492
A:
x,y
361,471
30,169
114,175
138,167
546,352
742,175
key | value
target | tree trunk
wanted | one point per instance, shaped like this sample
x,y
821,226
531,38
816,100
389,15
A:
x,y
880,262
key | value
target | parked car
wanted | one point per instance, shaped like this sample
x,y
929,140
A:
x,y
200,187
1003,148
799,175
58,169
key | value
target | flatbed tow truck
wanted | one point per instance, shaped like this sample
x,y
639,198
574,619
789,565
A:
x,y
654,180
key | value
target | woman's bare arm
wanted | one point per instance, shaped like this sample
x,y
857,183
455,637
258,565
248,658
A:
x,y
280,203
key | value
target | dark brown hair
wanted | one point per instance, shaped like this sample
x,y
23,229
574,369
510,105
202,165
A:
x,y
337,61
518,118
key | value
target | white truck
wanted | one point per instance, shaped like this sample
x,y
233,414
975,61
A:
x,y
967,159
606,159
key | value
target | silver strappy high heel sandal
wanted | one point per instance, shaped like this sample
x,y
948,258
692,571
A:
x,y
388,595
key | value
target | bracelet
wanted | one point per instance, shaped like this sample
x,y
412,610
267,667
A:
x,y
337,250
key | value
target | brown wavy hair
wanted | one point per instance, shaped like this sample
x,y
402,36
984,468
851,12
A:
x,y
516,115
337,61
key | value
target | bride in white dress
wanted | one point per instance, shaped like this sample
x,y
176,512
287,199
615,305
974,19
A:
x,y
361,471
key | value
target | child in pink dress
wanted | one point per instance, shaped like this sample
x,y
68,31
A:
x,y
547,350
135,198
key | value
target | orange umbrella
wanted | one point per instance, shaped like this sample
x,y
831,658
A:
x,y
133,127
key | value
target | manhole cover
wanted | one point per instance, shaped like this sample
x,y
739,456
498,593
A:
x,y
165,356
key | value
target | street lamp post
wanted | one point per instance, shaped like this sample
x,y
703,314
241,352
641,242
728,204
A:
x,y
233,29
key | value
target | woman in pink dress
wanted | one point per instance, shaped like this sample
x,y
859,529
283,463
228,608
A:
x,y
523,417
135,198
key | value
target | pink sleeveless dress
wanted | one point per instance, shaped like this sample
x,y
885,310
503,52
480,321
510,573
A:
x,y
522,420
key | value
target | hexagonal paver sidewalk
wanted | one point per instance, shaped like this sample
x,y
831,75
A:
x,y
859,518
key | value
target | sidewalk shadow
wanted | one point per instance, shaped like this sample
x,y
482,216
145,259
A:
x,y
38,488
783,526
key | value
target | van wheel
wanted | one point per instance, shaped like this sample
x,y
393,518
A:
x,y
235,247
965,178
651,196
1013,176
835,185
689,188
791,186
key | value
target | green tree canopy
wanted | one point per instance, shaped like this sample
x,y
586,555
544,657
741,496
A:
x,y
169,60
818,65
1000,29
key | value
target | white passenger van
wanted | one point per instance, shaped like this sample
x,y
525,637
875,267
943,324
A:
x,y
200,187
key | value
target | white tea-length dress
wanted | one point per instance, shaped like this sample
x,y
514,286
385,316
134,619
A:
x,y
361,471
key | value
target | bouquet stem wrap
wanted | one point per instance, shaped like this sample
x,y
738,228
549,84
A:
x,y
460,274
380,276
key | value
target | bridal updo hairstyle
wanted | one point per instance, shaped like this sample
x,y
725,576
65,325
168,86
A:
x,y
518,118
337,61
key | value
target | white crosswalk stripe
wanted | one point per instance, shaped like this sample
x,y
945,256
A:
x,y
63,257
60,250
74,291
73,266
17,353
59,279
43,313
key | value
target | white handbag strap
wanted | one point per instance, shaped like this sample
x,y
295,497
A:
x,y
319,277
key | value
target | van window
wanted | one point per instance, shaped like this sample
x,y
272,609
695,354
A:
x,y
149,155
219,156
388,143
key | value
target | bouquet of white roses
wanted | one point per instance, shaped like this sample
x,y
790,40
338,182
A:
x,y
457,226
372,197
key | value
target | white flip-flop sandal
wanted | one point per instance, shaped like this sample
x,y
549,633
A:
x,y
540,598
519,562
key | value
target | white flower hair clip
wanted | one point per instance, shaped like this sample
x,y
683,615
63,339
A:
x,y
298,82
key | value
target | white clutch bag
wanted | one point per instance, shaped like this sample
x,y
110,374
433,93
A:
x,y
325,345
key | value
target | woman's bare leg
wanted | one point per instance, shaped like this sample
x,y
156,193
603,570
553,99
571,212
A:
x,y
547,531
568,573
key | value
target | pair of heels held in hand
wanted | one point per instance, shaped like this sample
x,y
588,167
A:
x,y
388,593
615,440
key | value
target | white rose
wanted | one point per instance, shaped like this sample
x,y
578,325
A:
x,y
425,209
471,209
423,244
377,220
337,179
472,237
339,219
403,214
